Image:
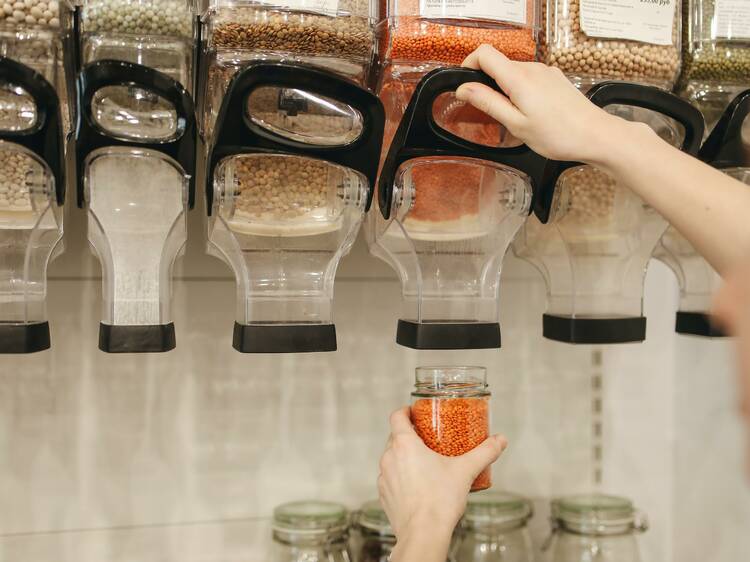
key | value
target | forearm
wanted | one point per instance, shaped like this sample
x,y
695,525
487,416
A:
x,y
709,208
423,543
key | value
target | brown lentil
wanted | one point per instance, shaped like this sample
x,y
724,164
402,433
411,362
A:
x,y
453,426
349,35
587,60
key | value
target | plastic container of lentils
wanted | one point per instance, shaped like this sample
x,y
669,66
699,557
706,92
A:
x,y
419,32
715,54
336,34
154,33
596,40
450,411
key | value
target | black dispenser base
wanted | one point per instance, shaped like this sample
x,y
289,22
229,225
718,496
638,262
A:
x,y
567,329
697,324
447,335
155,338
24,338
284,338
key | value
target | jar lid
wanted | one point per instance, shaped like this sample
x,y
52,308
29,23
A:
x,y
497,509
597,514
372,517
310,517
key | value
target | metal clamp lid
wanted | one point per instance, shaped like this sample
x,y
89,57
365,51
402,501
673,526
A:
x,y
418,135
90,136
235,133
724,147
636,95
45,136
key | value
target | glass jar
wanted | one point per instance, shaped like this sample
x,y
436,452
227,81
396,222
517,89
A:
x,y
715,54
337,35
493,529
626,40
450,410
310,531
587,528
372,536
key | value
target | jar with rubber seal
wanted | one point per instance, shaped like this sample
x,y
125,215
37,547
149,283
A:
x,y
595,527
450,410
305,531
493,529
371,535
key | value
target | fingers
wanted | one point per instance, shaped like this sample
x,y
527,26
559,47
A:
x,y
491,61
401,421
485,454
491,102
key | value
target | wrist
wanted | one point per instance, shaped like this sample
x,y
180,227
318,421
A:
x,y
431,521
615,141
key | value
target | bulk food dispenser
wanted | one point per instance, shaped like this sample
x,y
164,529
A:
x,y
34,122
594,250
32,190
449,208
292,161
337,35
418,37
135,156
715,53
727,148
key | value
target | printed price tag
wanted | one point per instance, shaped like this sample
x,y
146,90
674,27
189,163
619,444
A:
x,y
649,21
512,11
732,19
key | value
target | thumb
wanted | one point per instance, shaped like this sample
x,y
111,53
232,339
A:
x,y
485,454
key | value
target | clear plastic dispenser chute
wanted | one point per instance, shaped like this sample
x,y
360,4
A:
x,y
449,210
727,148
32,190
290,174
598,238
136,157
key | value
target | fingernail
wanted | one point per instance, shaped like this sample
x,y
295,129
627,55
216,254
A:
x,y
464,90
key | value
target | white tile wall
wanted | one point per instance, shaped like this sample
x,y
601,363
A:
x,y
90,441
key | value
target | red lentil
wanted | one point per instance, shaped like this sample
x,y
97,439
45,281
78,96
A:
x,y
452,427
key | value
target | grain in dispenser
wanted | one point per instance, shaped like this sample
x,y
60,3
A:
x,y
727,148
596,40
715,54
449,209
595,247
32,190
290,170
135,156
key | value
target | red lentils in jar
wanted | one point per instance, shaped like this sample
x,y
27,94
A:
x,y
450,412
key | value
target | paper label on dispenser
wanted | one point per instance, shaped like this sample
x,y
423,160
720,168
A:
x,y
513,11
328,7
648,21
732,19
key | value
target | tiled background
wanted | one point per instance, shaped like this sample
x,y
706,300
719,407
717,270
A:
x,y
114,458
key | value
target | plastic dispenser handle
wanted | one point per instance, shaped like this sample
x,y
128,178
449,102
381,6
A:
x,y
724,147
45,137
90,136
235,133
419,136
635,95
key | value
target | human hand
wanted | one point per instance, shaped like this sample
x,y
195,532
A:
x,y
542,108
420,488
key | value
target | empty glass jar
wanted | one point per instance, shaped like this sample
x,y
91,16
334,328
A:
x,y
595,528
450,411
310,531
493,529
372,536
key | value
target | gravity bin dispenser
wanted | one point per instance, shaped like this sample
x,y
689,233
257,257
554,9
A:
x,y
598,238
135,156
32,189
727,148
293,159
449,209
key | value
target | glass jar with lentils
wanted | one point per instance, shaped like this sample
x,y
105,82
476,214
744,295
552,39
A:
x,y
596,40
450,411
